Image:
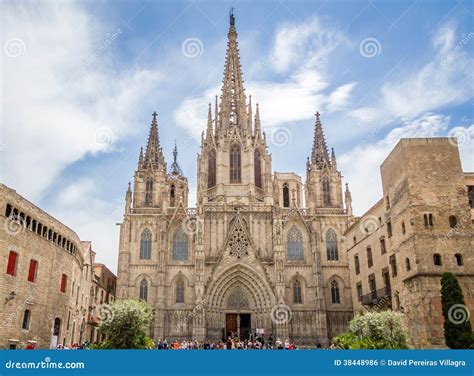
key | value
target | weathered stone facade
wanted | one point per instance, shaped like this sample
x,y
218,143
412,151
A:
x,y
45,279
421,228
250,257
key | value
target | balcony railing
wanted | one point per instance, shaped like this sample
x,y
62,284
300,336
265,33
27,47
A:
x,y
376,296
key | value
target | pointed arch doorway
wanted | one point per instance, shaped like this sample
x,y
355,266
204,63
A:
x,y
238,317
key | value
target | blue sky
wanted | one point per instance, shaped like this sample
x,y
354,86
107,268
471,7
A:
x,y
81,79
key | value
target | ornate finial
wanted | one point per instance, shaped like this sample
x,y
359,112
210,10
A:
x,y
317,115
129,186
175,168
154,114
232,17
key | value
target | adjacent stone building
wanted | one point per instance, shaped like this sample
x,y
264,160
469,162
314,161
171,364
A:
x,y
45,277
421,228
251,258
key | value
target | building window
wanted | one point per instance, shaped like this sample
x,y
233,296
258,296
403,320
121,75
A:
x,y
331,245
63,285
295,250
180,245
389,229
145,245
326,192
359,291
57,327
297,297
26,320
453,221
372,287
180,291
354,239
386,279
428,220
404,230
172,195
459,261
407,264
235,164
335,296
258,169
286,196
149,192
437,259
370,261
393,265
12,263
32,270
470,195
387,202
144,290
211,169
383,247
357,264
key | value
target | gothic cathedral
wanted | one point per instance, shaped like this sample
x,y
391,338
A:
x,y
262,254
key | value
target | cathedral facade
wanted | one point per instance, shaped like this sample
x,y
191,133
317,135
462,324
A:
x,y
261,254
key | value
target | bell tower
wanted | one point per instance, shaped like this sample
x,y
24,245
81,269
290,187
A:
x,y
234,163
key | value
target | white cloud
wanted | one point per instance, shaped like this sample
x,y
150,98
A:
x,y
445,80
92,218
62,98
300,51
361,165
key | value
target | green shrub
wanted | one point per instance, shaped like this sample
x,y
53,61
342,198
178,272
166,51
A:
x,y
374,330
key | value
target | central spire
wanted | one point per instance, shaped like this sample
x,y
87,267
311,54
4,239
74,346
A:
x,y
233,109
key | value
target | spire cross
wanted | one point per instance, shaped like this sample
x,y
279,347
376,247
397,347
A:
x,y
154,114
231,16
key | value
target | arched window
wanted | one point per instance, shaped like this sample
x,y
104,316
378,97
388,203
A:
x,y
437,259
25,325
235,164
286,196
145,245
331,245
180,245
297,297
335,296
407,264
57,327
180,291
453,221
149,192
459,261
172,195
326,192
144,290
211,169
295,248
258,169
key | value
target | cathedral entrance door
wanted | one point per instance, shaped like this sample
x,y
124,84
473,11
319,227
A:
x,y
245,326
237,325
231,329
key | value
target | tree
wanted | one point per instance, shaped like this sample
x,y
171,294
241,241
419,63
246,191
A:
x,y
457,327
125,324
374,330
